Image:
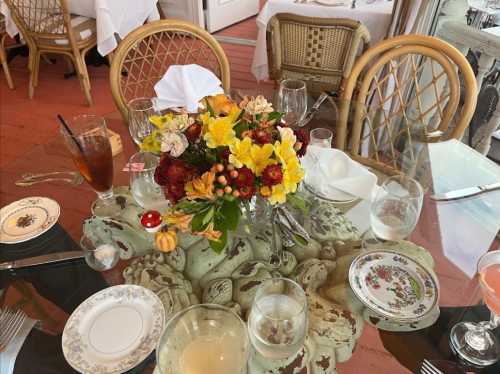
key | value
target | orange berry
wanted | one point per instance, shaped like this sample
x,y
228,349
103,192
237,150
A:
x,y
219,167
233,174
230,167
222,180
236,193
228,189
219,192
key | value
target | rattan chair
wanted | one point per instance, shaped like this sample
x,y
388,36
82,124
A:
x,y
319,51
3,55
47,27
407,87
143,57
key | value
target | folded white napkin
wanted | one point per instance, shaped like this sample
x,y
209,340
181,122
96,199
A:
x,y
8,357
183,86
334,175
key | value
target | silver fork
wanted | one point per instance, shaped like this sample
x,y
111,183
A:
x,y
428,368
10,322
47,174
75,180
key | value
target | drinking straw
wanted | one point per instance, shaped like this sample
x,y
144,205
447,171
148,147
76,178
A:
x,y
61,119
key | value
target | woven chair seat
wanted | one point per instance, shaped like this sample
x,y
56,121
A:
x,y
84,29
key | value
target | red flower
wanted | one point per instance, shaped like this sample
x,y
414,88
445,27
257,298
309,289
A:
x,y
193,132
179,171
174,191
272,175
262,136
302,140
245,177
161,171
246,192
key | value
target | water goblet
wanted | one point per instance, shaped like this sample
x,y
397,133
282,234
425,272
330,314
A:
x,y
203,339
475,342
87,141
395,210
143,187
139,111
321,137
292,101
277,323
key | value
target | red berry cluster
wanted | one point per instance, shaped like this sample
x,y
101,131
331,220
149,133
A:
x,y
238,182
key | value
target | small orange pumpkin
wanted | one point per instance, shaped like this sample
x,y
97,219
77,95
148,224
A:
x,y
166,239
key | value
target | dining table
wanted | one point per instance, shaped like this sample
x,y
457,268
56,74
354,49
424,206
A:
x,y
375,15
455,233
115,19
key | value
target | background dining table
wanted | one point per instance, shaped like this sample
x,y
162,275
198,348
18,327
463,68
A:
x,y
456,233
376,16
114,18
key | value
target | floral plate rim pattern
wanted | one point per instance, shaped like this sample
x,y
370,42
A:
x,y
76,343
394,285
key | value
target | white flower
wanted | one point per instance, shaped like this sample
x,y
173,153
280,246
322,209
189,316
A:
x,y
259,105
286,133
179,122
175,143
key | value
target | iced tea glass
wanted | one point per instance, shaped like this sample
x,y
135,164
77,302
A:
x,y
475,342
91,152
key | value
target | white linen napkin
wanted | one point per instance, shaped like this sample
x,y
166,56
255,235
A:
x,y
8,357
183,86
334,175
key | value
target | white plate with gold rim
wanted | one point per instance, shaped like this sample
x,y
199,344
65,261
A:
x,y
27,218
113,330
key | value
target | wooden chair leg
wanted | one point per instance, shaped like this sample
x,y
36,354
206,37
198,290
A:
x,y
83,76
34,65
6,70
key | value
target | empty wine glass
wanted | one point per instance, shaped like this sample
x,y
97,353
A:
x,y
321,137
143,187
475,342
292,101
139,111
395,210
277,323
203,339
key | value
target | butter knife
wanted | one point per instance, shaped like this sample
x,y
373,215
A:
x,y
466,192
41,260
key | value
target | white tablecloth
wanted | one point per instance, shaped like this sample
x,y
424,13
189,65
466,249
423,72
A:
x,y
376,17
113,17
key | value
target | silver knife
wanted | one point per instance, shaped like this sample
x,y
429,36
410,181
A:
x,y
41,260
466,192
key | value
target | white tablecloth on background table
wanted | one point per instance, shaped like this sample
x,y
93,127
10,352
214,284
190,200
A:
x,y
112,17
376,17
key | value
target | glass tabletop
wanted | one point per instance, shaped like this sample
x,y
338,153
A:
x,y
456,233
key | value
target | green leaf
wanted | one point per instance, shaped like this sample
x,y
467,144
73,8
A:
x,y
229,215
218,246
297,202
208,216
197,223
274,116
240,128
228,197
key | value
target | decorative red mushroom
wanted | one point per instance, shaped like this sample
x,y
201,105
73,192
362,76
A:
x,y
151,221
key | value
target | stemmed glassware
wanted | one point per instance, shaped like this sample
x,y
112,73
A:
x,y
292,101
475,342
87,140
321,137
277,323
143,187
204,339
139,111
395,210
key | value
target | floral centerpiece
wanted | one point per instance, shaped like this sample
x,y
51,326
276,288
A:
x,y
215,162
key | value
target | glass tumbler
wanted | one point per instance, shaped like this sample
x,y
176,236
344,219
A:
x,y
292,101
101,255
139,111
143,187
204,339
321,137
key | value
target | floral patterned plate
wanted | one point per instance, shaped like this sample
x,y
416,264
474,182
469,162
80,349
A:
x,y
114,330
27,218
393,285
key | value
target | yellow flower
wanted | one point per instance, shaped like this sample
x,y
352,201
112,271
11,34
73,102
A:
x,y
220,132
292,175
205,119
260,158
160,122
284,151
201,188
178,219
152,142
265,191
209,233
240,152
221,104
278,194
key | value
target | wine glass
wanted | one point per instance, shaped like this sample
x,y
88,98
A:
x,y
475,342
277,323
395,210
203,339
87,141
292,101
321,137
139,111
143,187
